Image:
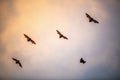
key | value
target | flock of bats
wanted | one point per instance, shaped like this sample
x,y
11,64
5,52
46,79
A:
x,y
60,36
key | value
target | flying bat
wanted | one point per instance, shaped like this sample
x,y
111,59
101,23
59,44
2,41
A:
x,y
91,19
29,39
82,61
61,35
17,62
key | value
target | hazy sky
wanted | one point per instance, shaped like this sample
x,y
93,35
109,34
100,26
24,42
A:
x,y
54,58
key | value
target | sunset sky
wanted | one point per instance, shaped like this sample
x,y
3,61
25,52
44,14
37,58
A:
x,y
54,58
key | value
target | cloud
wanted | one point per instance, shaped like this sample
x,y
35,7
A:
x,y
53,57
6,12
106,51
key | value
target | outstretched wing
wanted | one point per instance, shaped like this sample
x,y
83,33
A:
x,y
14,59
32,41
95,21
29,39
58,32
20,64
88,16
91,19
27,36
61,35
65,37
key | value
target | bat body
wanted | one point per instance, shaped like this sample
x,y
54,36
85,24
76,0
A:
x,y
82,61
29,39
17,62
61,35
91,19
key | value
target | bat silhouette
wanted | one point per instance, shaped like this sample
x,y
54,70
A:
x,y
61,35
17,62
91,19
82,61
29,39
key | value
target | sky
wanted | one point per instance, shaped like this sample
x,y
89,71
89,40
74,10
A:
x,y
54,58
